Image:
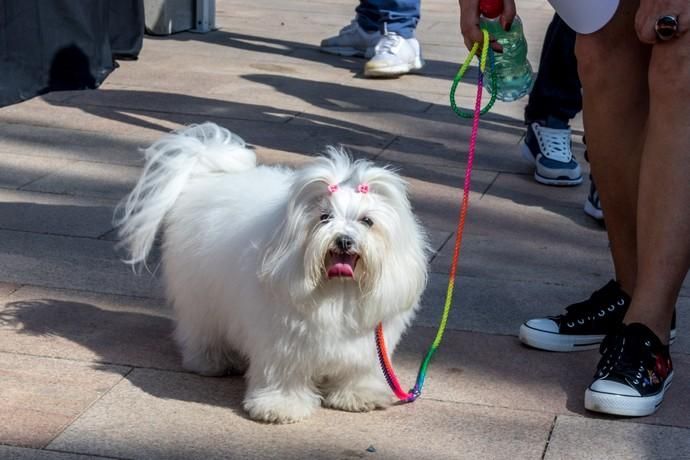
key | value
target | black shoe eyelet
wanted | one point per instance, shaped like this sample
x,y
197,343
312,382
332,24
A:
x,y
611,308
602,313
571,324
580,321
620,302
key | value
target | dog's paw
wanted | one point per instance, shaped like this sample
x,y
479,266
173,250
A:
x,y
360,400
277,408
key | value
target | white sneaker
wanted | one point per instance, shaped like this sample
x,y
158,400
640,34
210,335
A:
x,y
394,56
352,40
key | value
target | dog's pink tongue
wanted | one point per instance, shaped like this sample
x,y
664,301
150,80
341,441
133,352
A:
x,y
342,265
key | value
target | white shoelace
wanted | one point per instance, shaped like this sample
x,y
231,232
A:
x,y
389,43
554,143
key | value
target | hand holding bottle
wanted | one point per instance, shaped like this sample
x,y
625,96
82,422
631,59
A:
x,y
512,69
469,19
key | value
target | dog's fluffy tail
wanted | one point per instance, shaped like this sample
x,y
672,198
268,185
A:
x,y
170,163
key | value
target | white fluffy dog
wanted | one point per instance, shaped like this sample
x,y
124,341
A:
x,y
281,274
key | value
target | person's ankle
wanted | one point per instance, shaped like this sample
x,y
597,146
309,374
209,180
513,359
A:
x,y
662,329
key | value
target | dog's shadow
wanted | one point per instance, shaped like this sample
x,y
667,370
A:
x,y
110,340
138,342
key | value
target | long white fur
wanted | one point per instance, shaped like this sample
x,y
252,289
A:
x,y
244,265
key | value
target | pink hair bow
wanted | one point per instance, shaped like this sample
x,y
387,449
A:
x,y
363,188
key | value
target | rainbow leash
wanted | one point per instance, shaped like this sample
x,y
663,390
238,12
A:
x,y
384,359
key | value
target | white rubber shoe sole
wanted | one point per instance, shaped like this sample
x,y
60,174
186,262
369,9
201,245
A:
x,y
393,71
618,404
527,155
554,341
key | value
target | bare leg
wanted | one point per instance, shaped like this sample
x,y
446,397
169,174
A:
x,y
663,217
612,64
637,121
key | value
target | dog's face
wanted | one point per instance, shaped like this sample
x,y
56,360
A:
x,y
349,231
348,223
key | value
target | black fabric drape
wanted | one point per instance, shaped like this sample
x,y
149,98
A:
x,y
63,44
126,28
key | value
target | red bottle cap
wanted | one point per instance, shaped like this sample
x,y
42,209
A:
x,y
491,8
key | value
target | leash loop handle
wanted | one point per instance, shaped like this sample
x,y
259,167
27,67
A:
x,y
487,54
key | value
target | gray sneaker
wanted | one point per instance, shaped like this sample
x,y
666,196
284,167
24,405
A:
x,y
352,40
549,149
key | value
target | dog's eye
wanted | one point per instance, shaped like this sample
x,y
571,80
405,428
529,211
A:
x,y
325,217
367,221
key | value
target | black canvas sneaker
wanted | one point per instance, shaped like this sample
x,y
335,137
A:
x,y
583,325
633,375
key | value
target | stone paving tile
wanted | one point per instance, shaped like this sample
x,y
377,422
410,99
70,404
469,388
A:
x,y
255,81
341,97
6,289
70,263
18,170
192,74
496,229
497,371
110,143
497,306
523,189
155,415
88,327
312,134
61,139
39,397
524,261
89,179
248,103
54,214
514,215
306,136
23,453
447,145
580,438
438,206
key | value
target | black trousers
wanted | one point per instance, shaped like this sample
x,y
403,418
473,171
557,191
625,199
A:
x,y
557,91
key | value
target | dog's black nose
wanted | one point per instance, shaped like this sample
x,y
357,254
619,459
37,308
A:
x,y
344,243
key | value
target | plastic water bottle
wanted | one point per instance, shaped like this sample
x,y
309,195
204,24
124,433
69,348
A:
x,y
513,70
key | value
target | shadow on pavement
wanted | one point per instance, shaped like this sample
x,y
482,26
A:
x,y
308,52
